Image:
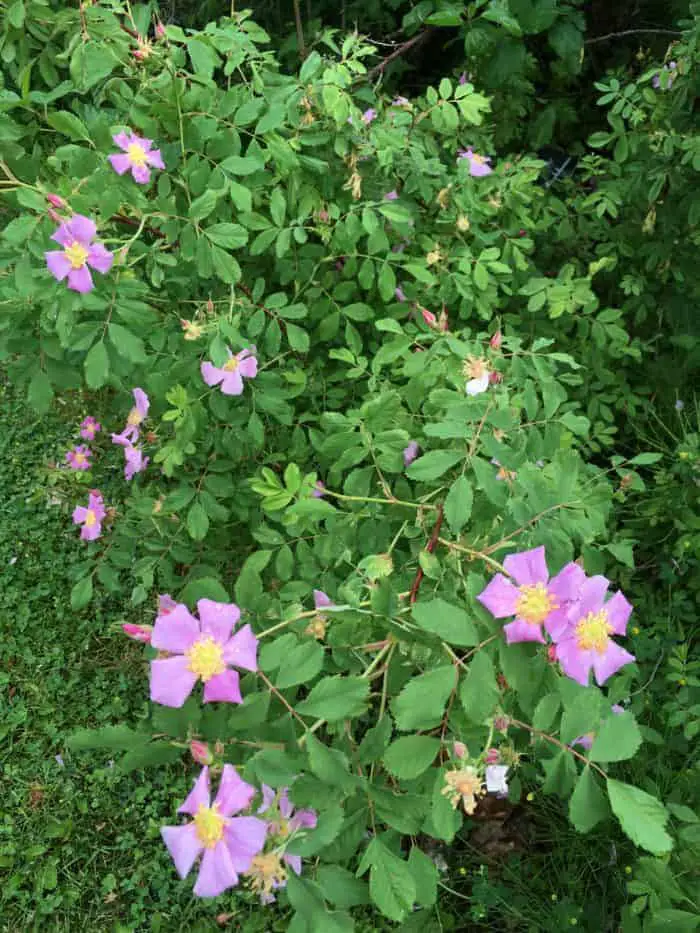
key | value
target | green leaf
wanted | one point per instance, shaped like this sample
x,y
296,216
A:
x,y
155,753
243,165
339,885
642,817
68,124
444,820
546,711
202,206
588,804
203,588
618,739
560,774
230,236
458,504
97,365
645,459
40,393
204,58
672,920
336,698
422,701
391,883
81,593
113,738
479,692
433,464
449,622
127,344
298,338
374,741
300,665
581,715
197,522
411,755
425,875
329,764
241,197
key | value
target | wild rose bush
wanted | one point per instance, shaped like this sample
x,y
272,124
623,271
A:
x,y
350,450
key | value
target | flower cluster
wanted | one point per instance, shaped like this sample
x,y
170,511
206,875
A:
x,y
570,607
231,846
135,462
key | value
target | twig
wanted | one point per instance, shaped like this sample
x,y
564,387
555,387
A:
x,y
430,547
402,49
550,738
631,32
132,222
300,30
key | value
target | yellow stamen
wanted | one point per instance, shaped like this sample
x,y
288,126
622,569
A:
x,y
79,458
535,603
90,518
76,254
593,632
209,825
474,368
135,417
137,155
479,160
267,872
231,365
206,658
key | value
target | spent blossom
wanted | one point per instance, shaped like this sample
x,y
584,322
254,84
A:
x,y
463,785
585,643
478,165
230,376
410,452
76,236
89,427
369,115
226,843
137,156
79,457
668,80
90,516
135,462
201,649
391,196
533,598
479,375
496,782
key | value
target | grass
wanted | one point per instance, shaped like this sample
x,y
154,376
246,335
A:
x,y
79,842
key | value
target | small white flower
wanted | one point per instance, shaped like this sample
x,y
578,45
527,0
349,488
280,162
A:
x,y
680,405
496,779
12,561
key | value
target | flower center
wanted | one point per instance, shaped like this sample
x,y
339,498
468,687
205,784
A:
x,y
468,784
593,632
206,658
231,365
535,603
209,825
135,417
137,155
76,254
479,160
90,518
267,872
475,368
79,458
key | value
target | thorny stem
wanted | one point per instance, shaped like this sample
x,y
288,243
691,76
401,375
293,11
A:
x,y
474,554
430,547
550,738
410,505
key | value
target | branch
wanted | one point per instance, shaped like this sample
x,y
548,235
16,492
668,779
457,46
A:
x,y
550,738
402,49
632,32
300,30
430,547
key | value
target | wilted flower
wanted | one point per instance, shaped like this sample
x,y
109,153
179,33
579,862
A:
x,y
268,872
79,458
463,223
496,780
131,431
89,427
135,461
670,67
401,102
399,293
91,517
191,330
391,196
137,155
140,633
410,452
203,650
534,599
319,489
479,373
463,78
76,236
478,165
226,843
463,785
230,376
585,642
369,115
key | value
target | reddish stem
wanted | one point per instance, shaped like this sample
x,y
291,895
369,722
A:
x,y
430,547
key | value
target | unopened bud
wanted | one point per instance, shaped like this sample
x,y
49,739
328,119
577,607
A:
x,y
201,752
460,750
496,340
138,55
160,31
323,216
500,723
463,223
140,633
493,756
429,317
54,216
219,748
55,200
552,653
522,233
495,377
